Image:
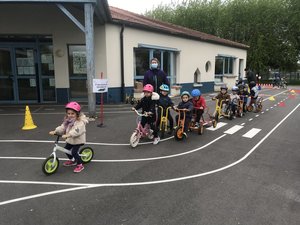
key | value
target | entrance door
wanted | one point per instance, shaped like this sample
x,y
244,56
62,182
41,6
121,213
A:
x,y
6,75
26,74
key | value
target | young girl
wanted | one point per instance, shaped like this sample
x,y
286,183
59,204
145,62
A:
x,y
199,104
187,105
165,101
73,130
147,104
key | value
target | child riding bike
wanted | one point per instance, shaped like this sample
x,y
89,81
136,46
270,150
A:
x,y
234,100
165,102
147,104
223,98
253,95
199,105
187,106
73,130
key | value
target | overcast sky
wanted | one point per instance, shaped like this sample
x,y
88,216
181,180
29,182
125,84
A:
x,y
138,6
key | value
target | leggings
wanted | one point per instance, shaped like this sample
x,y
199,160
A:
x,y
75,153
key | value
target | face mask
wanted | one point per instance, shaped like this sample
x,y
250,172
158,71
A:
x,y
154,66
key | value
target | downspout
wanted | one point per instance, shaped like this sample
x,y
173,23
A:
x,y
122,63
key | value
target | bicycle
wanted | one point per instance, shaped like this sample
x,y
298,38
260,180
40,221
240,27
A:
x,y
257,104
163,125
218,111
140,131
192,125
179,131
51,163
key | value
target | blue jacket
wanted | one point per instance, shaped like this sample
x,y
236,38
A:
x,y
186,105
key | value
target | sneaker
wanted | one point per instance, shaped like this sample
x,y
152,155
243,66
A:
x,y
197,124
69,163
78,168
156,140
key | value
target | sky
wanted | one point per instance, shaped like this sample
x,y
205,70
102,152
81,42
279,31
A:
x,y
138,6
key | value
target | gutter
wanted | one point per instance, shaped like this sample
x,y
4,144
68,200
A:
x,y
122,63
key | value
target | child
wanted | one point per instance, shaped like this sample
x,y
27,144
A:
x,y
243,93
73,130
199,105
147,104
188,106
235,99
253,94
165,102
223,95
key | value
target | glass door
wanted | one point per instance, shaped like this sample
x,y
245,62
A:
x,y
26,74
6,76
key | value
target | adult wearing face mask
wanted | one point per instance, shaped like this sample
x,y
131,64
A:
x,y
155,76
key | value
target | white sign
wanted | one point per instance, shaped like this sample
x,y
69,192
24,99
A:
x,y
100,85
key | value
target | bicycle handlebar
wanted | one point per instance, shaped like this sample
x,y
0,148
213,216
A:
x,y
146,114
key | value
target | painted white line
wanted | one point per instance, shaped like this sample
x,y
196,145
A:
x,y
158,181
271,107
219,125
243,124
267,109
251,133
274,105
262,112
136,160
250,119
257,115
233,129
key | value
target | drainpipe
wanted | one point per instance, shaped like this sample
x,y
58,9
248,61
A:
x,y
122,63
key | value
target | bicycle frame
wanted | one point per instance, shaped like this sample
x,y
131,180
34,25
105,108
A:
x,y
164,119
142,131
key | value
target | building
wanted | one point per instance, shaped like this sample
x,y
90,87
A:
x,y
50,51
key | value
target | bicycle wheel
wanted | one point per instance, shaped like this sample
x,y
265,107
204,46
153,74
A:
x,y
200,129
134,139
49,166
179,134
259,107
86,154
250,108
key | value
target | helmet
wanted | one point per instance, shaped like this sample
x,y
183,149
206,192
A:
x,y
241,86
196,93
224,87
148,87
74,106
164,87
185,93
235,88
246,86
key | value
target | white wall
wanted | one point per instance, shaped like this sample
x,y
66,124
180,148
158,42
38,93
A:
x,y
193,54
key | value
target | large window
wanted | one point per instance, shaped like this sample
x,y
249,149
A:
x,y
77,70
223,66
142,60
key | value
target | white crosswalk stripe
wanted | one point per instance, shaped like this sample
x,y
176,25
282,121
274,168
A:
x,y
251,133
233,129
219,125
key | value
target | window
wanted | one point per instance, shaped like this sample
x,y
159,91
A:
x,y
197,76
77,70
223,66
207,66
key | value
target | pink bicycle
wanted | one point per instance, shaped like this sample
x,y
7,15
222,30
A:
x,y
140,131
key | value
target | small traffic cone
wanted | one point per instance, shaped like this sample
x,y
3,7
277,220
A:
x,y
28,123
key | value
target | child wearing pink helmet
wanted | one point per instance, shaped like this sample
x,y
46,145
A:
x,y
73,130
147,104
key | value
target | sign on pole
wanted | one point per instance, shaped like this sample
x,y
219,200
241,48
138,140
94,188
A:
x,y
100,85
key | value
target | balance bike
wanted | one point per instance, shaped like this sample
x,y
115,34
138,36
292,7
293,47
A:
x,y
163,125
51,163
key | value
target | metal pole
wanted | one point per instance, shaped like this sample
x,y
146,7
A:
x,y
90,62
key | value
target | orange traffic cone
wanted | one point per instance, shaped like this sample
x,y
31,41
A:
x,y
28,123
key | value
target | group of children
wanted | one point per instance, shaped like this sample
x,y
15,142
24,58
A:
x,y
73,127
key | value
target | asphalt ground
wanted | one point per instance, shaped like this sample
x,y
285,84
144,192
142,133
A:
x,y
219,177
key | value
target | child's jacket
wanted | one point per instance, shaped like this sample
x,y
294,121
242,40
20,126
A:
x,y
199,103
165,101
147,104
186,105
77,131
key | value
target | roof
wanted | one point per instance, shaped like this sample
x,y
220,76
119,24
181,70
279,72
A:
x,y
131,19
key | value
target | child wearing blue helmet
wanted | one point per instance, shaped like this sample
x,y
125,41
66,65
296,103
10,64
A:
x,y
199,104
165,102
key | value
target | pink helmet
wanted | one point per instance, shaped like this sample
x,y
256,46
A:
x,y
73,105
148,87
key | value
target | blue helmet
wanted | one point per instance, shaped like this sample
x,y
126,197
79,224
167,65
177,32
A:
x,y
235,88
164,87
185,93
196,93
